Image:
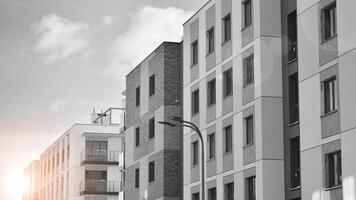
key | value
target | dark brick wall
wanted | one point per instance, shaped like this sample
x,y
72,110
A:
x,y
131,193
173,173
133,80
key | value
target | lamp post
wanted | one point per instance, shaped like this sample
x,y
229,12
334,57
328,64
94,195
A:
x,y
177,121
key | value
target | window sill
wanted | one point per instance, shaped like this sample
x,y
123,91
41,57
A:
x,y
329,113
210,159
227,96
227,153
191,66
295,188
211,105
245,27
151,95
195,114
150,182
292,61
222,44
328,39
150,139
208,54
333,188
247,145
293,124
248,84
194,166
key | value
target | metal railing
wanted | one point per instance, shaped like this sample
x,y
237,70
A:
x,y
100,187
97,156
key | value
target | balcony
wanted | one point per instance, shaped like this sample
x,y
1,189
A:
x,y
99,187
99,157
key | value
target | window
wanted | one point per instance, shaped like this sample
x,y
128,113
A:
x,y
330,104
229,191
211,97
96,145
195,153
251,188
137,178
152,85
137,96
247,13
227,82
137,136
195,102
195,196
228,139
292,35
151,171
226,28
212,194
294,163
95,175
293,98
333,169
151,130
62,155
328,22
249,129
194,49
211,146
210,40
248,70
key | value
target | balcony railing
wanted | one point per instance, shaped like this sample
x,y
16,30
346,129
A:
x,y
96,156
100,187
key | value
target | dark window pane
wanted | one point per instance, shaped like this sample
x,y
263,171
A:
x,y
251,188
195,196
229,191
227,28
293,98
211,92
212,194
228,139
194,47
295,162
330,103
329,18
249,129
248,70
151,130
247,9
137,136
137,96
227,82
211,146
152,85
195,102
292,35
195,153
210,40
137,178
151,171
333,169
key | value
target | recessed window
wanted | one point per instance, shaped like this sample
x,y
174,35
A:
x,y
226,28
228,139
250,186
227,82
292,35
211,91
137,178
151,131
195,153
194,49
247,13
212,193
210,40
152,85
293,98
294,163
211,146
229,191
249,129
195,102
330,95
137,136
329,21
151,171
138,96
248,70
195,196
333,177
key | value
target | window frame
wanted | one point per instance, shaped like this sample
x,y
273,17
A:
x,y
211,92
137,136
152,85
210,35
249,133
330,102
137,178
250,188
292,32
228,139
194,46
227,28
247,20
248,66
337,169
212,193
151,171
325,25
138,96
293,92
195,102
228,84
294,152
195,153
151,128
229,191
211,146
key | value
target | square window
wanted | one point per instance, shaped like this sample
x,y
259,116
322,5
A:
x,y
248,66
328,21
330,95
137,136
195,102
152,85
151,171
151,130
333,177
211,146
211,97
137,96
210,40
194,49
226,28
249,129
227,82
195,153
228,139
247,13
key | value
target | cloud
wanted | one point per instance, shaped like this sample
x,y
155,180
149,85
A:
x,y
107,20
149,27
60,38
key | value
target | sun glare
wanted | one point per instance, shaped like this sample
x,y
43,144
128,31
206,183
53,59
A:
x,y
16,184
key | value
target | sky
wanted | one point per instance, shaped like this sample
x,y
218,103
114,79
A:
x,y
59,59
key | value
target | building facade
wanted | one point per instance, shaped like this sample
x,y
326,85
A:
x,y
83,164
269,83
31,174
153,157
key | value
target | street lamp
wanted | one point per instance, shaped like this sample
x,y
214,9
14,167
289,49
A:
x,y
177,121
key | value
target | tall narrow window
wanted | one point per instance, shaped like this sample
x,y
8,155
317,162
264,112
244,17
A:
x,y
195,153
151,171
247,13
211,146
293,98
329,21
333,176
292,35
152,85
195,102
226,28
229,191
330,96
212,193
294,162
138,96
248,66
194,49
228,139
210,40
151,131
137,178
211,97
249,129
227,82
137,136
251,188
195,196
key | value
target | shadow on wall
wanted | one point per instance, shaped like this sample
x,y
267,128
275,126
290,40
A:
x,y
348,187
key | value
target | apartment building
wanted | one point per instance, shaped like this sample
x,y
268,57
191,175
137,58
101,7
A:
x,y
153,157
269,83
31,174
84,163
